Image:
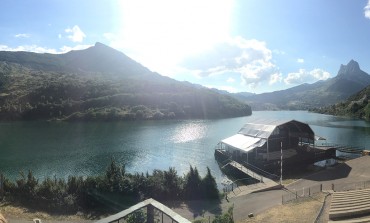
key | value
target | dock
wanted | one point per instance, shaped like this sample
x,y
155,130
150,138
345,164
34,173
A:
x,y
264,183
244,170
342,148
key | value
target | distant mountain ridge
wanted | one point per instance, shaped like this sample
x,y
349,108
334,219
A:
x,y
99,58
349,80
100,83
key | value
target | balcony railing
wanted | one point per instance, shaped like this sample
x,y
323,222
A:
x,y
155,212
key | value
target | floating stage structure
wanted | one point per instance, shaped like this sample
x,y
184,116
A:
x,y
269,145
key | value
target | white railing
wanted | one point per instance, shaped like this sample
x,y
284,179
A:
x,y
150,205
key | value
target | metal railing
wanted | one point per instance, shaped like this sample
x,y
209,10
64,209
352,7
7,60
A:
x,y
151,210
302,193
309,191
261,171
233,185
343,148
351,186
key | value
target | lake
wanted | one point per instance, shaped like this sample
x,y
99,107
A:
x,y
61,149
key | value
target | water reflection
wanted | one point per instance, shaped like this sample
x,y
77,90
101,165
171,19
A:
x,y
189,132
86,148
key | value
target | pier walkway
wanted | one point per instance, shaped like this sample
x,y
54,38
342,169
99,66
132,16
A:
x,y
263,184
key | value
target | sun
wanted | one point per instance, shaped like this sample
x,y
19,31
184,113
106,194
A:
x,y
160,33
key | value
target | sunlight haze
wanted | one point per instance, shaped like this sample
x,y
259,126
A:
x,y
261,45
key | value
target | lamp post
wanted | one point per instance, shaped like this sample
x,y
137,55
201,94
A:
x,y
281,163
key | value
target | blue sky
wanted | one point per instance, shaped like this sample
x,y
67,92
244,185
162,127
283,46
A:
x,y
251,45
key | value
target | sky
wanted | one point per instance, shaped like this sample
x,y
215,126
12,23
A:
x,y
235,45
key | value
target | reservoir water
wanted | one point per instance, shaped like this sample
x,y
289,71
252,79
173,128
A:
x,y
61,149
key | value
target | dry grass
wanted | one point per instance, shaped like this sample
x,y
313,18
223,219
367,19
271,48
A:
x,y
2,219
304,210
15,212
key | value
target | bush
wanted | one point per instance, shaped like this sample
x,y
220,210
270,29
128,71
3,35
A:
x,y
225,218
105,191
135,217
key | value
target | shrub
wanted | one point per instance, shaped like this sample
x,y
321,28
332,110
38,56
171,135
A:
x,y
104,191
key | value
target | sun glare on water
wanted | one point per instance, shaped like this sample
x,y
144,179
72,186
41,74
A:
x,y
189,132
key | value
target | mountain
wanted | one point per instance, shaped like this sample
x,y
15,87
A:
x,y
240,95
100,83
356,106
349,80
99,58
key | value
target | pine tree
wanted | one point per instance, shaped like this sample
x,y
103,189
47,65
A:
x,y
209,186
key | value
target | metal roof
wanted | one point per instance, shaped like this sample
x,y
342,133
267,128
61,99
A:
x,y
265,128
253,135
243,142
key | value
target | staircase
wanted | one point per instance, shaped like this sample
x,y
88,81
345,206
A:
x,y
346,206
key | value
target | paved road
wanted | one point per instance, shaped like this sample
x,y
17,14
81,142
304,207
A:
x,y
255,203
352,171
243,205
356,170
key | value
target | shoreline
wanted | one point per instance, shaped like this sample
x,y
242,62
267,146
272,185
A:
x,y
11,211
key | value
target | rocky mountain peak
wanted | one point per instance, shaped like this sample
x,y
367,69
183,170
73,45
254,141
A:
x,y
351,68
102,46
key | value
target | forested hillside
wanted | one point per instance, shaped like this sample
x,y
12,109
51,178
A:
x,y
356,106
100,83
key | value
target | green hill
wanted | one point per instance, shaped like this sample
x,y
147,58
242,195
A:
x,y
100,83
356,106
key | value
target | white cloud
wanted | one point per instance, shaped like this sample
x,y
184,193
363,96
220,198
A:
x,y
279,52
275,78
59,36
29,48
303,76
300,60
76,34
39,49
230,80
249,58
367,10
22,35
320,74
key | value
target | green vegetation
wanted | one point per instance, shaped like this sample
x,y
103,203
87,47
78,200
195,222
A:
x,y
356,106
224,218
100,83
114,191
137,216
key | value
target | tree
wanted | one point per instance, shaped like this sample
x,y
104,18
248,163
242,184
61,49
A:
x,y
209,186
26,187
172,184
192,187
114,176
